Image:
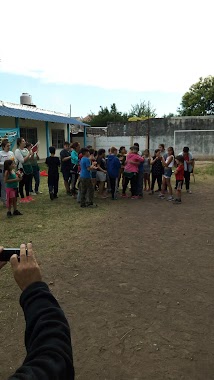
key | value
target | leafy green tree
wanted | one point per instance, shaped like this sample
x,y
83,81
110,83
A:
x,y
106,116
170,115
199,100
142,109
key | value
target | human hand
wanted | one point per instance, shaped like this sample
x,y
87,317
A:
x,y
2,263
26,271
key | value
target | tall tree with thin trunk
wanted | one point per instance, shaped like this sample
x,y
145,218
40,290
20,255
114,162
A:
x,y
199,100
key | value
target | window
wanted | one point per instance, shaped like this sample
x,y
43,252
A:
x,y
29,134
58,138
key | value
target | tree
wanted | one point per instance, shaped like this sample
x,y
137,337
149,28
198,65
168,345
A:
x,y
142,109
199,100
106,116
171,114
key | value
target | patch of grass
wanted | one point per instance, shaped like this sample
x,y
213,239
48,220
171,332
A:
x,y
48,222
205,170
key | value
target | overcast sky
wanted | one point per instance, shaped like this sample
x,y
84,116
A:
x,y
111,50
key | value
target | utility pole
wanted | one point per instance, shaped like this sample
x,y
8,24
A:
x,y
148,132
148,125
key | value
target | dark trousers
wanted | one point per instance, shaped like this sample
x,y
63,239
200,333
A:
x,y
53,183
133,181
86,187
36,176
157,177
140,184
187,179
74,178
25,182
113,184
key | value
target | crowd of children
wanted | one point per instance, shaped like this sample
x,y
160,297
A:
x,y
87,170
106,173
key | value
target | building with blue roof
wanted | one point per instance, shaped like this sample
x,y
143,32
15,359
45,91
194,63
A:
x,y
35,124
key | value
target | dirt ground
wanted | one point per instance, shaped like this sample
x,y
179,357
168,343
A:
x,y
135,279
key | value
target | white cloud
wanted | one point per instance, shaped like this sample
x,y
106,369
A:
x,y
140,45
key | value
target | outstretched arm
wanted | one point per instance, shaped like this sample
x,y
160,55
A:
x,y
47,335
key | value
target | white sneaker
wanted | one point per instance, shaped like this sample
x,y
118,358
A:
x,y
32,193
189,192
161,196
170,199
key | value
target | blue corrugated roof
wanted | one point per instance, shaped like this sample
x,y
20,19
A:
x,y
35,115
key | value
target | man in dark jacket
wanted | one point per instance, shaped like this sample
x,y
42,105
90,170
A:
x,y
113,169
47,335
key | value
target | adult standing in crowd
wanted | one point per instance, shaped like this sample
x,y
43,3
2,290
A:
x,y
74,166
36,172
188,166
23,157
65,156
5,154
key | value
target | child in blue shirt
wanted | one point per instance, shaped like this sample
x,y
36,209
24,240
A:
x,y
113,169
86,185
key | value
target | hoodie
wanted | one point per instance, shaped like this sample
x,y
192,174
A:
x,y
113,166
133,168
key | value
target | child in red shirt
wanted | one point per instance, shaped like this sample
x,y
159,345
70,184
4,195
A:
x,y
179,175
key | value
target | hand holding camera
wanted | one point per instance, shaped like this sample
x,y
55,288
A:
x,y
25,268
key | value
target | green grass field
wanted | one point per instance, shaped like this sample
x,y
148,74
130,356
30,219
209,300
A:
x,y
46,220
205,170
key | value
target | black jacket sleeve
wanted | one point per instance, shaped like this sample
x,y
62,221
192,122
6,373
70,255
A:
x,y
47,337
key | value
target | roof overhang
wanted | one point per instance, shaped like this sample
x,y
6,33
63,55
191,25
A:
x,y
40,116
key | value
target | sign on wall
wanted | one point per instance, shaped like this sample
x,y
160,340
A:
x,y
10,134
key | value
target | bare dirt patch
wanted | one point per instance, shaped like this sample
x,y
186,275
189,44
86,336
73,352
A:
x,y
135,279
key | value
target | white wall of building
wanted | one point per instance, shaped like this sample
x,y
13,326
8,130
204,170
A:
x,y
107,142
9,122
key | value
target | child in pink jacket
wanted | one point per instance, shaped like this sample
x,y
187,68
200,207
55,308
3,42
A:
x,y
133,160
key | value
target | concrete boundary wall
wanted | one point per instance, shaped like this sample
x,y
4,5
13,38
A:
x,y
195,132
107,142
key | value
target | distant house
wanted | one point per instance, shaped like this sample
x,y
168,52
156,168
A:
x,y
35,124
